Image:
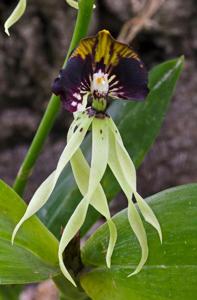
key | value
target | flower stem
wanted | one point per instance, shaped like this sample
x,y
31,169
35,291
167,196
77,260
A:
x,y
81,27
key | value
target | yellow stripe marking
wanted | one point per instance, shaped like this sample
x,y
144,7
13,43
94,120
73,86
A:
x,y
104,43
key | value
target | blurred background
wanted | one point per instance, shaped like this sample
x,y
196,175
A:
x,y
31,58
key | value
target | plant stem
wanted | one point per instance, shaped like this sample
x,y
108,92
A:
x,y
68,291
81,27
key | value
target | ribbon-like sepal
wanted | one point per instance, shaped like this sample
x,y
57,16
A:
x,y
45,189
98,166
124,170
15,16
81,171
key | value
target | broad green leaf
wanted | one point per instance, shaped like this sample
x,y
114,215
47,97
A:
x,y
171,270
33,257
139,125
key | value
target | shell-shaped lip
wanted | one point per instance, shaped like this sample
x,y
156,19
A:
x,y
124,72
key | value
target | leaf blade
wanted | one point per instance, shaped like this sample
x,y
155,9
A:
x,y
171,269
34,255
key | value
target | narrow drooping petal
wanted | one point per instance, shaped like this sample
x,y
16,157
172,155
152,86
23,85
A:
x,y
37,201
15,16
130,176
148,214
127,179
133,215
73,3
81,171
99,151
101,67
45,189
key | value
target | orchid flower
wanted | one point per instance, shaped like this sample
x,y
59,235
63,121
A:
x,y
98,70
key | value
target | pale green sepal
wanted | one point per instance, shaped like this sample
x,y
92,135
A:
x,y
75,4
112,241
133,215
15,16
100,149
45,189
74,143
72,227
148,214
138,228
126,162
130,175
35,205
81,171
98,166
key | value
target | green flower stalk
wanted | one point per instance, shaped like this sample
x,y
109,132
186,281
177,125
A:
x,y
100,68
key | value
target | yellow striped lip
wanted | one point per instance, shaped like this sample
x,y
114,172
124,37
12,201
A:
x,y
103,47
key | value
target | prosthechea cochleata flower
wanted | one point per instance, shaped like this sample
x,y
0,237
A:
x,y
99,69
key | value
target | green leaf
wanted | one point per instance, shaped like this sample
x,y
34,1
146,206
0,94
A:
x,y
171,270
139,125
33,257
